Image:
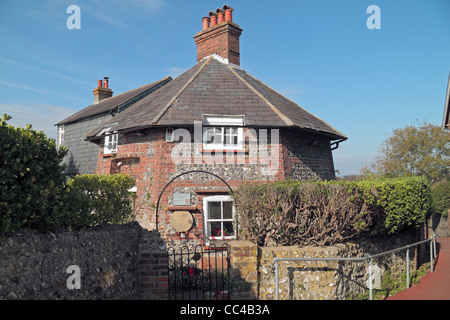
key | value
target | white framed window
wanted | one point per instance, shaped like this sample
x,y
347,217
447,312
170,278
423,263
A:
x,y
61,131
111,142
222,132
219,215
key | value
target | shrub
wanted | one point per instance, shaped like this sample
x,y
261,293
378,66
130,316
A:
x,y
31,178
440,194
328,212
402,202
300,213
99,199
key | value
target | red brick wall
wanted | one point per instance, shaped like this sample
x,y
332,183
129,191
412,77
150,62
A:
x,y
148,159
222,39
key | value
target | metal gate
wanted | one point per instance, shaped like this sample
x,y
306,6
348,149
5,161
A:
x,y
199,273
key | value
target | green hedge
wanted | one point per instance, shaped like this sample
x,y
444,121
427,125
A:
x,y
440,194
99,199
402,202
327,212
32,183
34,192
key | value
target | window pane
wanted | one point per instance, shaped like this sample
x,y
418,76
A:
x,y
228,140
214,210
215,229
234,130
227,210
228,229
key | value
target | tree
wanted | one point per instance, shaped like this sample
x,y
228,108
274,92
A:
x,y
423,150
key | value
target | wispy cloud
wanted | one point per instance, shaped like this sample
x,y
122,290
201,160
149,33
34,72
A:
x,y
174,71
42,117
117,12
37,90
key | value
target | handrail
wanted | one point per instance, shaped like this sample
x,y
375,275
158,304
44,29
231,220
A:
x,y
370,258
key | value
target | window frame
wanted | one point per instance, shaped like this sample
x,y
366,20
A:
x,y
220,125
206,220
61,134
109,140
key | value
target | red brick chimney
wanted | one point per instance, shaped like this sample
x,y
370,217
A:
x,y
102,91
219,35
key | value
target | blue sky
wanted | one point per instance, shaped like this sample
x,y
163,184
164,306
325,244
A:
x,y
318,53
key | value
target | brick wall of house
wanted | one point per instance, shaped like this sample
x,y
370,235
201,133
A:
x,y
153,162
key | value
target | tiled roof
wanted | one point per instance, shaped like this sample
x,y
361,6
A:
x,y
114,102
213,87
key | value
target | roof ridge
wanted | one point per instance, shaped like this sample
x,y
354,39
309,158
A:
x,y
163,110
278,112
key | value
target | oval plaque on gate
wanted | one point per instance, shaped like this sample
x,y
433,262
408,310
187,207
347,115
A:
x,y
181,221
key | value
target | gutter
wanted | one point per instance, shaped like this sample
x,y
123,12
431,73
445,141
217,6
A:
x,y
337,144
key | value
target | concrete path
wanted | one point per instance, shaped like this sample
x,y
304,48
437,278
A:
x,y
436,285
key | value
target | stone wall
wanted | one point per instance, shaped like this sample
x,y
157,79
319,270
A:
x,y
115,262
253,269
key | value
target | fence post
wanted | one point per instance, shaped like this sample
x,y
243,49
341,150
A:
x,y
276,280
431,255
370,278
407,268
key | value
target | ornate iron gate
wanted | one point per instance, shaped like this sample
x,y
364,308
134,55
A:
x,y
199,273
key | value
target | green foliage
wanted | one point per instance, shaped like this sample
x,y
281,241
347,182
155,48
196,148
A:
x,y
99,199
418,151
440,194
31,178
328,212
401,203
34,192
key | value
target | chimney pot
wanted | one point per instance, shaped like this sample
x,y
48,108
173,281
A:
x,y
220,15
213,18
102,91
205,22
222,40
228,15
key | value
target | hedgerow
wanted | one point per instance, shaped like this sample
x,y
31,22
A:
x,y
34,192
440,193
328,212
99,199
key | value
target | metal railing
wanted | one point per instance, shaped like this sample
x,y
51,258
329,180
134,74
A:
x,y
370,258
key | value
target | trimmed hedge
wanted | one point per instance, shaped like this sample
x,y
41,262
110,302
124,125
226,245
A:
x,y
99,199
440,193
328,212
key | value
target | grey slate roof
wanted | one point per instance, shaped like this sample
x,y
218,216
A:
x,y
105,106
212,87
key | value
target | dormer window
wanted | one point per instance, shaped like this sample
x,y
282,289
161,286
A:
x,y
223,132
111,142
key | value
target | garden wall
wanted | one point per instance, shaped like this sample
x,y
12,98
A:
x,y
115,262
253,269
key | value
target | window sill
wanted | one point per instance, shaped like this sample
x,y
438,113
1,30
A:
x,y
107,155
182,208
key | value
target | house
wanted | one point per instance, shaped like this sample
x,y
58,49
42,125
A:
x,y
82,156
214,118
